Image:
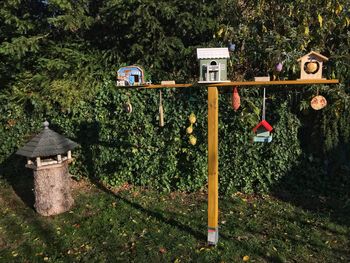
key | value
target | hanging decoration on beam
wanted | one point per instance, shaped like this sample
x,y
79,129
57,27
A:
x,y
278,67
128,106
161,110
236,99
189,129
318,102
263,129
192,139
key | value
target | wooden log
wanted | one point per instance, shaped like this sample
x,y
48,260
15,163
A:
x,y
52,189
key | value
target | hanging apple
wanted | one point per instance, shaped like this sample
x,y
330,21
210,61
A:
x,y
192,118
189,129
192,140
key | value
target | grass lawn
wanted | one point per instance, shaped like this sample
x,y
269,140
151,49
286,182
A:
x,y
138,225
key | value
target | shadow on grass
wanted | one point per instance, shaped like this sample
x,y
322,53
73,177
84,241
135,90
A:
x,y
158,215
93,138
320,187
20,178
90,133
21,181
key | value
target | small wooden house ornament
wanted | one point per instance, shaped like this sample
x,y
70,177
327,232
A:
x,y
263,132
311,65
212,64
130,76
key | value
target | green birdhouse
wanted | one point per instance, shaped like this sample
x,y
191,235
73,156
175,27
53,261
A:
x,y
212,64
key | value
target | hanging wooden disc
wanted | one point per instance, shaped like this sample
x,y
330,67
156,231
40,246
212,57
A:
x,y
318,102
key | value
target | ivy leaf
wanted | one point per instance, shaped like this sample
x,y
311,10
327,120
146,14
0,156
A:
x,y
338,9
219,33
320,19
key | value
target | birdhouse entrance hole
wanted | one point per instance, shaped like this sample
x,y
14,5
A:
x,y
136,78
213,71
311,67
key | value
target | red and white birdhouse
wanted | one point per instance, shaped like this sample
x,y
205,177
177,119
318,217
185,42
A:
x,y
263,132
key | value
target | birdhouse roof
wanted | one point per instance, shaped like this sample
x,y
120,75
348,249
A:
x,y
211,53
46,143
264,124
313,53
133,69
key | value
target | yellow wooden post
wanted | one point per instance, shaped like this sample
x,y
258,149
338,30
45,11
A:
x,y
213,184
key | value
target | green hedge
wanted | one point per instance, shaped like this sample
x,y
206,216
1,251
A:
x,y
117,147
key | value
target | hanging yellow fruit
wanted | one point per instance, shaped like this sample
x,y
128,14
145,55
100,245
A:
x,y
189,129
193,140
192,118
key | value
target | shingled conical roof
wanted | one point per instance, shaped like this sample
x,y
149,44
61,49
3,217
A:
x,y
46,143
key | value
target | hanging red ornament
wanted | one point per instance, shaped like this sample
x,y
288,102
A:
x,y
236,99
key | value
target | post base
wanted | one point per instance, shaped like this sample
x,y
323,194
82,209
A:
x,y
213,236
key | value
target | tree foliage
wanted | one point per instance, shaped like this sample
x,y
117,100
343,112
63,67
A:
x,y
58,61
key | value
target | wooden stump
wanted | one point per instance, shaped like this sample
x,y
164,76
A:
x,y
52,189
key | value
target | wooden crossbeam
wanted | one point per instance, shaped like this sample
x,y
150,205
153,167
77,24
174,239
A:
x,y
276,82
158,86
241,83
